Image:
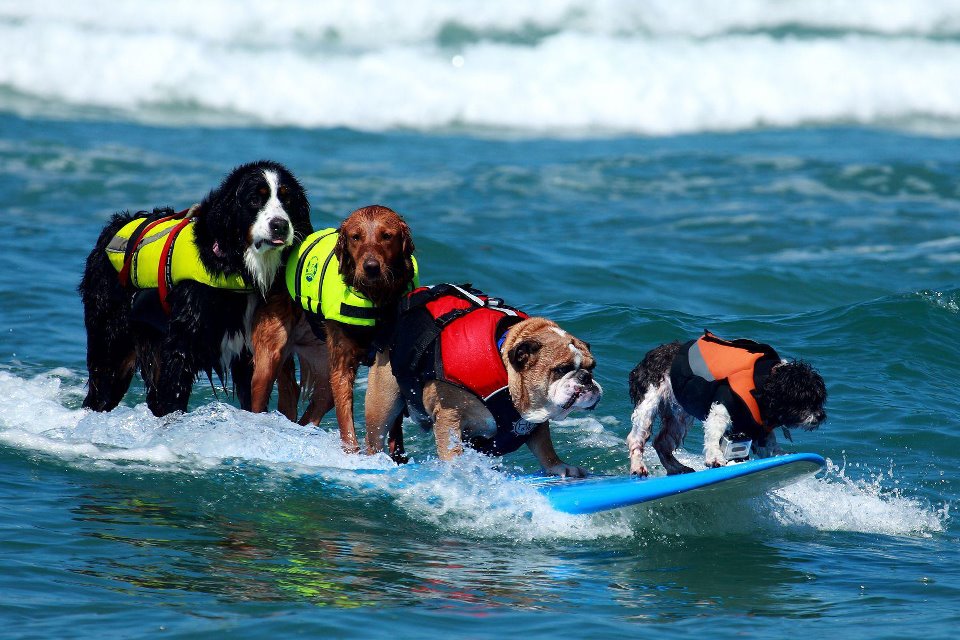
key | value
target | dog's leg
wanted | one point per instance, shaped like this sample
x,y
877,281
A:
x,y
673,430
111,347
541,444
270,338
321,401
111,367
315,379
111,354
448,411
174,384
716,424
314,376
769,447
345,356
384,405
176,362
447,431
149,348
241,372
395,441
642,420
288,390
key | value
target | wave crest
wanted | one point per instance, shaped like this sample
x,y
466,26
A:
x,y
573,67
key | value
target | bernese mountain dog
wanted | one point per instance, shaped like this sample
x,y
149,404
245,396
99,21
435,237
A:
x,y
190,310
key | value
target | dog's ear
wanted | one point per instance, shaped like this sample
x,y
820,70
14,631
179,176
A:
x,y
406,251
407,247
524,354
342,252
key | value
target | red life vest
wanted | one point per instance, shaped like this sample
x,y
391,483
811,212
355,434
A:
x,y
451,333
469,353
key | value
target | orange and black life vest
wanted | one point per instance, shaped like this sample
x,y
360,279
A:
x,y
454,333
710,370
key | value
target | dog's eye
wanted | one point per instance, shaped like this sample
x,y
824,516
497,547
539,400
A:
x,y
386,235
355,237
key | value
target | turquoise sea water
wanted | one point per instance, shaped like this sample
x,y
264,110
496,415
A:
x,y
837,245
788,172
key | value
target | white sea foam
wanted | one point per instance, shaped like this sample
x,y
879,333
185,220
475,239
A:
x,y
467,497
833,500
838,502
590,431
568,66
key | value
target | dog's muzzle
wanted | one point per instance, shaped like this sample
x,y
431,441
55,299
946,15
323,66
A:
x,y
581,391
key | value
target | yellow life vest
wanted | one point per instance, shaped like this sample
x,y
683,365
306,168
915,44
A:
x,y
151,267
314,281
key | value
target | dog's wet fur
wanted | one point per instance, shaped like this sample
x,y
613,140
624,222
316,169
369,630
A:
x,y
791,397
242,227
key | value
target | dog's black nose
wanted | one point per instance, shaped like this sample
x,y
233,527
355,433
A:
x,y
584,377
279,227
371,267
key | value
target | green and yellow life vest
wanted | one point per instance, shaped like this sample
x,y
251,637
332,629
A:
x,y
315,283
164,252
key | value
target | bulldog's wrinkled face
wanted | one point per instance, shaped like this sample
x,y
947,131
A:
x,y
550,372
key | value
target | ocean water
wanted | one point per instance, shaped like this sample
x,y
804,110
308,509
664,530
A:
x,y
788,172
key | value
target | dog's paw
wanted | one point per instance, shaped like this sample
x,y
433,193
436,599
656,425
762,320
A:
x,y
567,471
714,460
637,468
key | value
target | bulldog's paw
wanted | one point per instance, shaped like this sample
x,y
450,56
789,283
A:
x,y
567,471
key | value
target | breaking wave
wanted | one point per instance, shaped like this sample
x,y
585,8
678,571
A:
x,y
569,68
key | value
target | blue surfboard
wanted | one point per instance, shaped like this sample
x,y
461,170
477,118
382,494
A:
x,y
603,493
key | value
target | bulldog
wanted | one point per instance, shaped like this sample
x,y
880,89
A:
x,y
480,374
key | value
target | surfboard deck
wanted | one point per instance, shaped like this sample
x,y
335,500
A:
x,y
603,493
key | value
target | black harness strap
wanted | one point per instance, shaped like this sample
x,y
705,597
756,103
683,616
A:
x,y
364,313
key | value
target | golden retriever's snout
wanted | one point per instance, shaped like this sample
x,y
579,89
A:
x,y
371,267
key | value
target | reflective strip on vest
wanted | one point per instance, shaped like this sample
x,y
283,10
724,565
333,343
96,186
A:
x,y
314,282
184,258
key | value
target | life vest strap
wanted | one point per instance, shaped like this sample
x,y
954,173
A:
x,y
302,263
432,311
364,313
474,297
137,237
165,265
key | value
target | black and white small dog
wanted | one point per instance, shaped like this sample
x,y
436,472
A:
x,y
240,232
735,388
